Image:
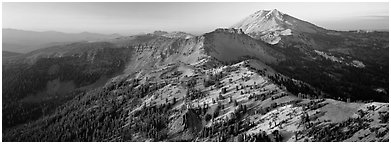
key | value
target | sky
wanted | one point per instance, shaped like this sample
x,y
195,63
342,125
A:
x,y
132,18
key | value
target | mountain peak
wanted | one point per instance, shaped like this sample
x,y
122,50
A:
x,y
275,13
269,25
266,25
267,14
261,21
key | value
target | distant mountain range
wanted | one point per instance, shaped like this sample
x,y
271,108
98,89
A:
x,y
10,54
22,41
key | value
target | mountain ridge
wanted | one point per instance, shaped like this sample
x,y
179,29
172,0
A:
x,y
24,41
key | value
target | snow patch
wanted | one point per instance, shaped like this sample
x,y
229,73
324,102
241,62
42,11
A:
x,y
358,64
329,57
286,32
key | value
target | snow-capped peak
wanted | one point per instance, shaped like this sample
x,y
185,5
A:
x,y
267,14
275,13
269,25
266,25
262,21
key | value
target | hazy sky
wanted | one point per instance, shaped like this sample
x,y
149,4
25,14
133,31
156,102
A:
x,y
132,18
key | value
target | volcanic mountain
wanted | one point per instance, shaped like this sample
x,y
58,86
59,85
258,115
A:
x,y
309,48
269,25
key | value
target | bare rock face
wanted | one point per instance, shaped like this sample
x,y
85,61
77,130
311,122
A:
x,y
224,45
178,34
229,45
230,30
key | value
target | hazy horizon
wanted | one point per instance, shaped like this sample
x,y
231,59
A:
x,y
196,18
